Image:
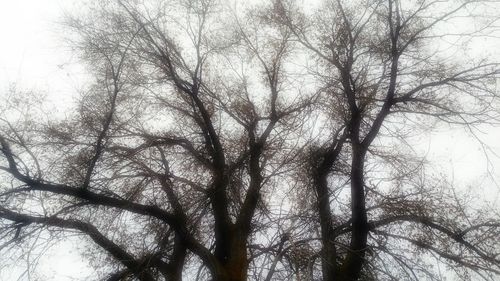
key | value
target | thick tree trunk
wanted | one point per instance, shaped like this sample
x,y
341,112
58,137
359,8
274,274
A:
x,y
328,253
234,268
329,266
355,259
178,259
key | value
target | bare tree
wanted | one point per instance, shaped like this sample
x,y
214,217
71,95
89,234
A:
x,y
259,143
381,65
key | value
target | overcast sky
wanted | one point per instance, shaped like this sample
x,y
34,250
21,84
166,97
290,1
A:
x,y
32,57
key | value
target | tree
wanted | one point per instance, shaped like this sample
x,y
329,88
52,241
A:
x,y
258,143
382,70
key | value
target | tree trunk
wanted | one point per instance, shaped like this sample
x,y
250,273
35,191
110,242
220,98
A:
x,y
328,252
234,268
354,261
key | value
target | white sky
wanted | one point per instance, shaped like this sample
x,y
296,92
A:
x,y
33,57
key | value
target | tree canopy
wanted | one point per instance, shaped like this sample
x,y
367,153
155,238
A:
x,y
233,141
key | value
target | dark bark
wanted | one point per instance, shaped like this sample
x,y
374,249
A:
x,y
329,263
355,259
